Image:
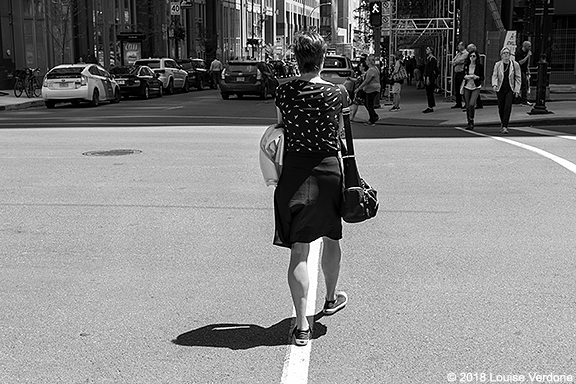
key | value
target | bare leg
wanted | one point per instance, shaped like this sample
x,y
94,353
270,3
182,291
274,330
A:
x,y
331,255
298,281
353,110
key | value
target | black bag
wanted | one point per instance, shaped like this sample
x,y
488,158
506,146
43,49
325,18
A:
x,y
359,200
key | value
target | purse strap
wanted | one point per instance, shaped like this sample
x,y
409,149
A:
x,y
348,150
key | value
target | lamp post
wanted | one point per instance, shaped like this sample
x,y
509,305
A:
x,y
312,11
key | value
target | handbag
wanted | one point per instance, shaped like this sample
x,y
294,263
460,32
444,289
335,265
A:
x,y
401,74
359,199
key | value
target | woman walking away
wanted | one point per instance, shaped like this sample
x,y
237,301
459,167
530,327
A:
x,y
506,81
430,73
397,86
308,196
371,85
473,78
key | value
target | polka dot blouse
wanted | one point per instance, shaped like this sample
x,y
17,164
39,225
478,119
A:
x,y
310,113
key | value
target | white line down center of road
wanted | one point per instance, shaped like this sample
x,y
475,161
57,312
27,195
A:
x,y
297,359
557,159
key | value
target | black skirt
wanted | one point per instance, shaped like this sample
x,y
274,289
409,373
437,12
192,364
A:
x,y
307,199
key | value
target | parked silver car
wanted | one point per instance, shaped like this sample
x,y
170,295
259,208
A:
x,y
171,74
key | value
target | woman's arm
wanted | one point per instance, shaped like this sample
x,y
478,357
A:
x,y
367,77
279,116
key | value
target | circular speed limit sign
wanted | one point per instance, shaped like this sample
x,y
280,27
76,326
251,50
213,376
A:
x,y
175,8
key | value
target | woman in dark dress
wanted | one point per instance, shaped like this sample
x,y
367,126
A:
x,y
308,196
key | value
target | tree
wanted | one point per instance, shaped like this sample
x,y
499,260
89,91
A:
x,y
60,16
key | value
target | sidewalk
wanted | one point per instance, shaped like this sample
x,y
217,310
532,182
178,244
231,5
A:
x,y
413,102
9,102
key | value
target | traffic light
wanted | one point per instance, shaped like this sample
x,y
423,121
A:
x,y
376,14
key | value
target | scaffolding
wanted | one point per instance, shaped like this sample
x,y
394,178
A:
x,y
437,32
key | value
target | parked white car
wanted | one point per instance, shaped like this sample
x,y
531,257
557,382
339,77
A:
x,y
171,74
76,83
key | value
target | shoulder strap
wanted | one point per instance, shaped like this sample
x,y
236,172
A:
x,y
349,150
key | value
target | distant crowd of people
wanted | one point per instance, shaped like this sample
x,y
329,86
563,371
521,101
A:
x,y
510,81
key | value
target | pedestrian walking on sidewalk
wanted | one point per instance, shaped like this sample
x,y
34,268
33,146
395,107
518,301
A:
x,y
472,83
308,196
458,66
371,86
430,74
396,62
523,56
479,103
506,81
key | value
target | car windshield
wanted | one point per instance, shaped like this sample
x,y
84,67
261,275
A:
x,y
150,63
198,64
65,72
242,68
335,62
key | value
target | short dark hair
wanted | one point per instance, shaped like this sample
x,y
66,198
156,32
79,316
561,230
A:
x,y
309,49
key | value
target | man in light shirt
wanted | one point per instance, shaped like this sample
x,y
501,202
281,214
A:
x,y
458,65
216,71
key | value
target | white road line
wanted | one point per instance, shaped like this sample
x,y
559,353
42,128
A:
x,y
559,160
546,132
297,359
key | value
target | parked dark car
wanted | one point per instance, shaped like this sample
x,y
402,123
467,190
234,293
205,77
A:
x,y
198,75
248,78
138,80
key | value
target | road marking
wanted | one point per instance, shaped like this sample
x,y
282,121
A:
x,y
547,132
557,159
297,359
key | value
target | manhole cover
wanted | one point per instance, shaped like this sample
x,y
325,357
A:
x,y
113,152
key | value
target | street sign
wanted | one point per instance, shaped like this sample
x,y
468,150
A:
x,y
175,8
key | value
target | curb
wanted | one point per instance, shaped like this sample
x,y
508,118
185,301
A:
x,y
24,105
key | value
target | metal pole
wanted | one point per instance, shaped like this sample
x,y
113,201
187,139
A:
x,y
546,28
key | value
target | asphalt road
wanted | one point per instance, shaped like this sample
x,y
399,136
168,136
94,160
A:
x,y
158,267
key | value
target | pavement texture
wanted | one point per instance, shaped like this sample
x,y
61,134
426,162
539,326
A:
x,y
413,102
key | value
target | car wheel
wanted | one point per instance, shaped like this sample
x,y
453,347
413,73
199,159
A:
x,y
225,96
264,93
170,88
146,93
117,96
50,104
186,86
160,91
95,98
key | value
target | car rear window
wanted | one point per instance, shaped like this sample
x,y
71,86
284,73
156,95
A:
x,y
242,68
186,65
151,63
335,62
123,70
62,73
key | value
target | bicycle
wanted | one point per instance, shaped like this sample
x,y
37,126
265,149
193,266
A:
x,y
28,82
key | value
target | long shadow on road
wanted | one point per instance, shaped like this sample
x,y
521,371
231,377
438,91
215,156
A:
x,y
244,336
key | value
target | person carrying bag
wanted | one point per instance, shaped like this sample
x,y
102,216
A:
x,y
359,200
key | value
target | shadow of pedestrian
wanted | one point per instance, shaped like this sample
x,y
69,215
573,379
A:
x,y
244,336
